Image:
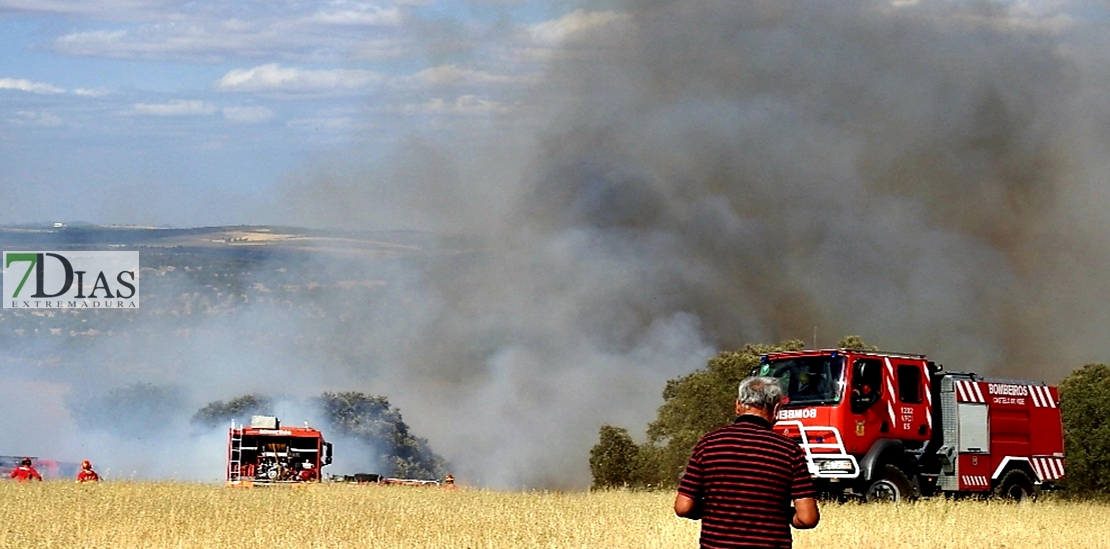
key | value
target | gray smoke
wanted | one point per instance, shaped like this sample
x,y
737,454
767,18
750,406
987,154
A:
x,y
704,174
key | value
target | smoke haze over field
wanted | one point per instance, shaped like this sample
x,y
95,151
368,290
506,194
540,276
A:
x,y
714,173
691,176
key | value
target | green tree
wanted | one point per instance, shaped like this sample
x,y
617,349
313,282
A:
x,y
855,343
613,460
650,467
218,413
1085,410
375,422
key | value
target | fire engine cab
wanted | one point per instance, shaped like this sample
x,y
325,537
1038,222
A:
x,y
265,452
886,426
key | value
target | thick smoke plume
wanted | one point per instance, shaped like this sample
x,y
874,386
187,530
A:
x,y
711,173
691,176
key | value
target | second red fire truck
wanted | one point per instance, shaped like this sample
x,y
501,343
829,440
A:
x,y
886,426
266,452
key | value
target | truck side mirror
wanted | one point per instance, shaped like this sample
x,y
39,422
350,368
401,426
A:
x,y
327,453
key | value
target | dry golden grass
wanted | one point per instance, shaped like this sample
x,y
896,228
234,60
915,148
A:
x,y
163,515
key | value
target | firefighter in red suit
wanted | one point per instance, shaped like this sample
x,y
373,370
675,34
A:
x,y
87,474
307,472
25,473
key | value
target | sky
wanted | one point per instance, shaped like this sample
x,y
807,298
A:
x,y
204,107
652,181
207,109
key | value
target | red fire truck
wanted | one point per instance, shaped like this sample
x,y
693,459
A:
x,y
265,452
887,426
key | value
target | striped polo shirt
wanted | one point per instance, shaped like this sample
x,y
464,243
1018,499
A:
x,y
745,477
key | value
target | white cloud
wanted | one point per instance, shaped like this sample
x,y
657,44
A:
x,y
340,123
378,49
273,77
216,31
236,25
204,41
579,34
556,31
453,75
41,87
373,16
103,8
39,119
180,107
89,43
248,115
466,105
91,92
28,86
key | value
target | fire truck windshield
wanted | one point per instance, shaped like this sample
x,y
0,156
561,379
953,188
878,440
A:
x,y
810,379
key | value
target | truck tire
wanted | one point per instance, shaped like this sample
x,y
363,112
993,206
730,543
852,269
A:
x,y
1016,486
891,486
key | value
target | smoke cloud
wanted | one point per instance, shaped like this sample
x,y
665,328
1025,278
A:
x,y
688,177
702,174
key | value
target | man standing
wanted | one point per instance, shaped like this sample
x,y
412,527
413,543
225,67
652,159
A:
x,y
25,473
742,478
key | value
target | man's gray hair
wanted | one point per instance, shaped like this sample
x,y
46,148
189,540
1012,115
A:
x,y
761,392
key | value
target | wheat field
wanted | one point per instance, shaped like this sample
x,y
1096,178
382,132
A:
x,y
171,515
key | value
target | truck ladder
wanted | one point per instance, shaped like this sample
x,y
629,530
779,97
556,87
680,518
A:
x,y
808,437
234,455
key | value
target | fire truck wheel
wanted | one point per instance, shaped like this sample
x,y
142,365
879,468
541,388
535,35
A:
x,y
1016,486
892,486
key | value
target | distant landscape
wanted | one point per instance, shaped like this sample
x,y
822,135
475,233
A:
x,y
211,271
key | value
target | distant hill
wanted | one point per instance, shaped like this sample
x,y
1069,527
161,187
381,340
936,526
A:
x,y
387,243
193,274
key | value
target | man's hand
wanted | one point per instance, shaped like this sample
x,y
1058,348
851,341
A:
x,y
687,508
806,515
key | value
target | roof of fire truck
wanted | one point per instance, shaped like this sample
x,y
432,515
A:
x,y
818,352
281,431
936,368
270,426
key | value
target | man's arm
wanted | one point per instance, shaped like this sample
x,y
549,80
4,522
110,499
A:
x,y
690,488
804,494
806,515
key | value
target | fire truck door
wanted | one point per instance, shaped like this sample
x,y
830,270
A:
x,y
907,380
868,419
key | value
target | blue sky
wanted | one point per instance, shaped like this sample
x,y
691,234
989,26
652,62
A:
x,y
190,113
197,110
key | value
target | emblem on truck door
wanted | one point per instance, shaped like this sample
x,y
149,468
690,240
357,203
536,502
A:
x,y
860,429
